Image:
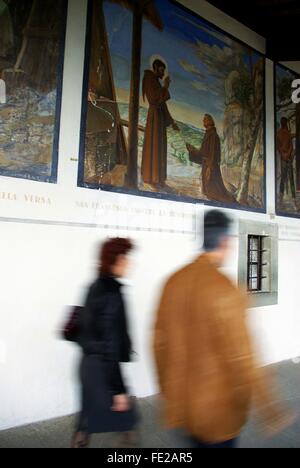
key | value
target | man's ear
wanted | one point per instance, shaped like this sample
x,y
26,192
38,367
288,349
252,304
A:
x,y
225,243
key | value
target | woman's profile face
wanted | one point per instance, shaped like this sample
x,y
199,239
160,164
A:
x,y
122,266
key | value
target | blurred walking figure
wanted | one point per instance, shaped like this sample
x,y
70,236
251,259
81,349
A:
x,y
106,405
205,361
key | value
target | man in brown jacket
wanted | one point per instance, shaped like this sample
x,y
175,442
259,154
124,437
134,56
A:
x,y
203,351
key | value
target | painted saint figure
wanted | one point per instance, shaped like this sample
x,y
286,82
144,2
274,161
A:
x,y
209,155
155,150
287,154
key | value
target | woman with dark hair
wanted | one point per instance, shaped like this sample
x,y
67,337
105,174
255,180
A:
x,y
106,405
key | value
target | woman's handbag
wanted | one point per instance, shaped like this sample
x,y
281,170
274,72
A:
x,y
71,330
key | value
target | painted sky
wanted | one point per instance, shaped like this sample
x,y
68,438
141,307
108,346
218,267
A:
x,y
284,73
197,84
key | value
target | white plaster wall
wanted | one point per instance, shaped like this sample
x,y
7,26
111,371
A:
x,y
45,267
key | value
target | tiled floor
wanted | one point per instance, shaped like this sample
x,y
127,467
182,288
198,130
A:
x,y
57,433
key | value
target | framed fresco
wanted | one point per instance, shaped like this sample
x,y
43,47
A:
x,y
287,144
32,34
173,107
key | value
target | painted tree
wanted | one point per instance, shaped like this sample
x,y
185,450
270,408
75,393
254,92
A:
x,y
6,32
33,51
254,101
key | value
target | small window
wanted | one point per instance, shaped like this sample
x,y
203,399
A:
x,y
256,263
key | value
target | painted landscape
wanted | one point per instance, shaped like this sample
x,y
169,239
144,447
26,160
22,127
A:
x,y
31,54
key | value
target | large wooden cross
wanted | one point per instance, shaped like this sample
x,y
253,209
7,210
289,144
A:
x,y
140,9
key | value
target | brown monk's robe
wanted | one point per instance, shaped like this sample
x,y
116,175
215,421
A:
x,y
210,155
155,150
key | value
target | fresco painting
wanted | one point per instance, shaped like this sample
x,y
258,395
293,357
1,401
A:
x,y
173,107
287,133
